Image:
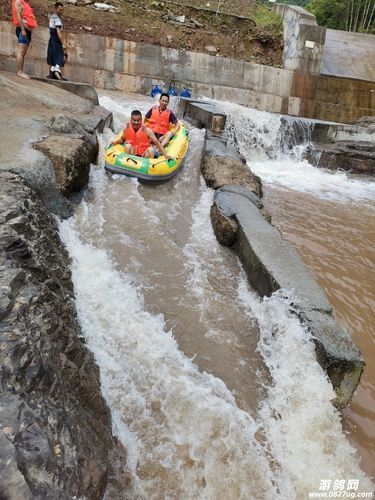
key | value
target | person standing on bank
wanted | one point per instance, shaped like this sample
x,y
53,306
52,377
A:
x,y
24,20
56,47
159,118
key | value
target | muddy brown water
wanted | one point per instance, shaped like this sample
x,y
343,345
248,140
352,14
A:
x,y
215,393
336,241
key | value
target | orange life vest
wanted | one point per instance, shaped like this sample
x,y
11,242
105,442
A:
x,y
27,15
159,122
138,139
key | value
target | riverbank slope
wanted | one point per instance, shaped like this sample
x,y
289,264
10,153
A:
x,y
56,439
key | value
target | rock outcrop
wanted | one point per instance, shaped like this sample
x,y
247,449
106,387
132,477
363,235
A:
x,y
58,166
56,426
55,429
224,171
351,156
71,157
344,147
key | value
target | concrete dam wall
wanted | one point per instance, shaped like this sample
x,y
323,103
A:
x,y
111,63
349,55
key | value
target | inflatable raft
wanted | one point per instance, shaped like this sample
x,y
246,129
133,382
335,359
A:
x,y
150,169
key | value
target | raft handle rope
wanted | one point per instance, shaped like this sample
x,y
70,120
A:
x,y
154,165
162,161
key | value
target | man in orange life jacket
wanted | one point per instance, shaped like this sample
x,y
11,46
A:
x,y
24,20
137,138
159,119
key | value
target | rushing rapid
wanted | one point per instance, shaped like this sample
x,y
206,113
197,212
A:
x,y
329,217
215,393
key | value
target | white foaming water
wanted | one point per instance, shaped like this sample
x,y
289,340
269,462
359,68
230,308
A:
x,y
324,184
202,260
121,109
259,137
184,434
302,429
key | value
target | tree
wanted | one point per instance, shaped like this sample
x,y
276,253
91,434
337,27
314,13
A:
x,y
300,3
349,15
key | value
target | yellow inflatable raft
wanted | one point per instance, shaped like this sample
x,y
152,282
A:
x,y
150,169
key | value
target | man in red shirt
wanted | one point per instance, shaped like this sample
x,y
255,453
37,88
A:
x,y
160,118
24,20
137,138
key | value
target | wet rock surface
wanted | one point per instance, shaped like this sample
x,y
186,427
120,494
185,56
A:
x,y
52,415
32,111
225,170
225,228
221,171
222,167
356,156
55,429
224,223
71,157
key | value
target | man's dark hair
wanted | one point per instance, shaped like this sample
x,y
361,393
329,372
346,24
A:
x,y
135,112
164,95
58,4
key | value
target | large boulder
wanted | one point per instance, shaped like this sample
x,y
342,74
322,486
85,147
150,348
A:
x,y
220,171
224,169
226,227
55,436
223,165
71,157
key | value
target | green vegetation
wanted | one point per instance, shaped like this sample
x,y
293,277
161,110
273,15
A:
x,y
348,15
300,3
268,19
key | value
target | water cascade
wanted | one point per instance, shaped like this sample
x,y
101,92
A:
x,y
215,393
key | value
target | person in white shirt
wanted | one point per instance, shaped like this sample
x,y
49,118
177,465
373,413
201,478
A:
x,y
56,47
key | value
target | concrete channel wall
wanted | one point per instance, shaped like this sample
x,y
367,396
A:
x,y
134,67
303,39
270,262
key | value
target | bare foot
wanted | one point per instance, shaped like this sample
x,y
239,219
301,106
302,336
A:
x,y
23,75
